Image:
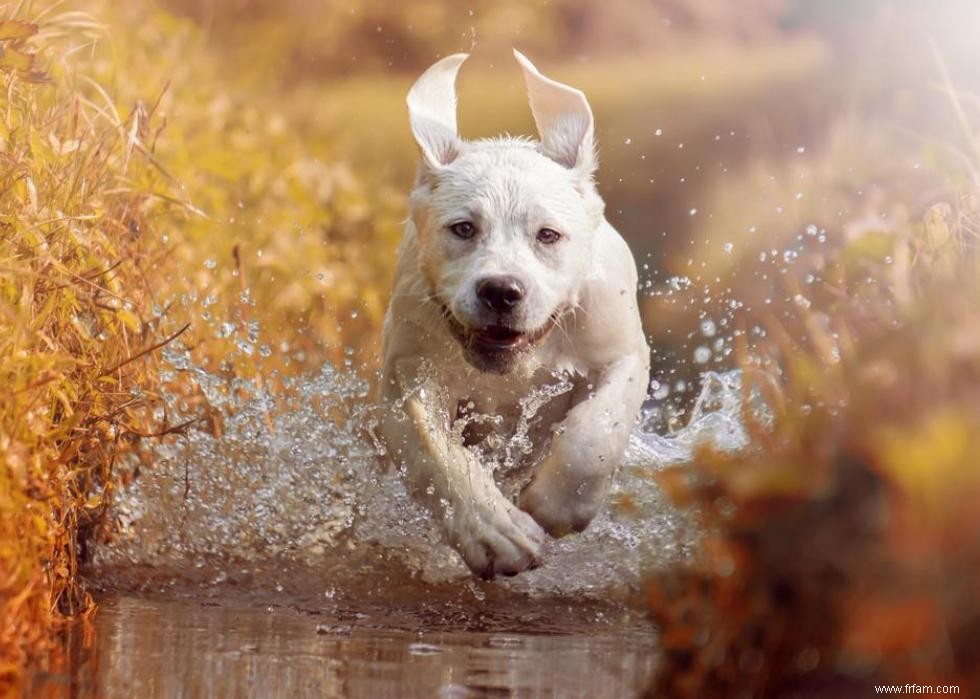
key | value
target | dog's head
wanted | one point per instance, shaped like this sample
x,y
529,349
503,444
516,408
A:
x,y
504,226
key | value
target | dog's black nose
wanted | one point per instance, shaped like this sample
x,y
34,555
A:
x,y
500,294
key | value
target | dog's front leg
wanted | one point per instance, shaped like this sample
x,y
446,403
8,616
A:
x,y
490,532
571,482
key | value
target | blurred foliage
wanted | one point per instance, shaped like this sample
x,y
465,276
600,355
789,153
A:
x,y
311,36
764,234
277,221
843,548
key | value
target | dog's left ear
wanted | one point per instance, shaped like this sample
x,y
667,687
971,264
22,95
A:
x,y
563,117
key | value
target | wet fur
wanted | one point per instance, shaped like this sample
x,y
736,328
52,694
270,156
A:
x,y
580,308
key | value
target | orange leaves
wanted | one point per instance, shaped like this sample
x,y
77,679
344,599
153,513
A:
x,y
15,30
890,625
13,56
13,59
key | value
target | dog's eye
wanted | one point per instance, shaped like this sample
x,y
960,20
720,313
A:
x,y
548,236
463,229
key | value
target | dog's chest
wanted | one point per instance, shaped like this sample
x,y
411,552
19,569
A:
x,y
509,422
511,395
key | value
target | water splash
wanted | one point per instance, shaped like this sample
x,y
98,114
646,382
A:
x,y
294,483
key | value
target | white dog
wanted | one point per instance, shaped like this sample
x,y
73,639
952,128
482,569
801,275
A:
x,y
510,286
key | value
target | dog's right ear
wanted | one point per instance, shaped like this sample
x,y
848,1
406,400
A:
x,y
432,112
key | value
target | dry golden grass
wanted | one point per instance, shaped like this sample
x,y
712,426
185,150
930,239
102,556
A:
x,y
75,312
143,198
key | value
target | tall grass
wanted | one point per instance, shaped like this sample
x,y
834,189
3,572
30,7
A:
x,y
76,241
144,200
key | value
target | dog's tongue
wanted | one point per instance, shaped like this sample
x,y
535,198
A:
x,y
499,335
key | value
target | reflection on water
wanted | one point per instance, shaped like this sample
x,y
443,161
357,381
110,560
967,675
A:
x,y
156,647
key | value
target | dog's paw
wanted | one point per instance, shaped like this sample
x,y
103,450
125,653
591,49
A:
x,y
563,505
495,537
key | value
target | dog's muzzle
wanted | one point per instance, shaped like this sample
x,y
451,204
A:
x,y
495,348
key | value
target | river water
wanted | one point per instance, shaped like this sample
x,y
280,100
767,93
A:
x,y
278,559
230,646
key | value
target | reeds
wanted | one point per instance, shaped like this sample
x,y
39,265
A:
x,y
76,242
144,201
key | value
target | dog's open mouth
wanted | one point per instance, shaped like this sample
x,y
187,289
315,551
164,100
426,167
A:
x,y
493,343
500,336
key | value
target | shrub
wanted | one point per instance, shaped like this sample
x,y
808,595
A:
x,y
842,550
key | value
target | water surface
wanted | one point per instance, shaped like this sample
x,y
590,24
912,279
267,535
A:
x,y
276,559
178,646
